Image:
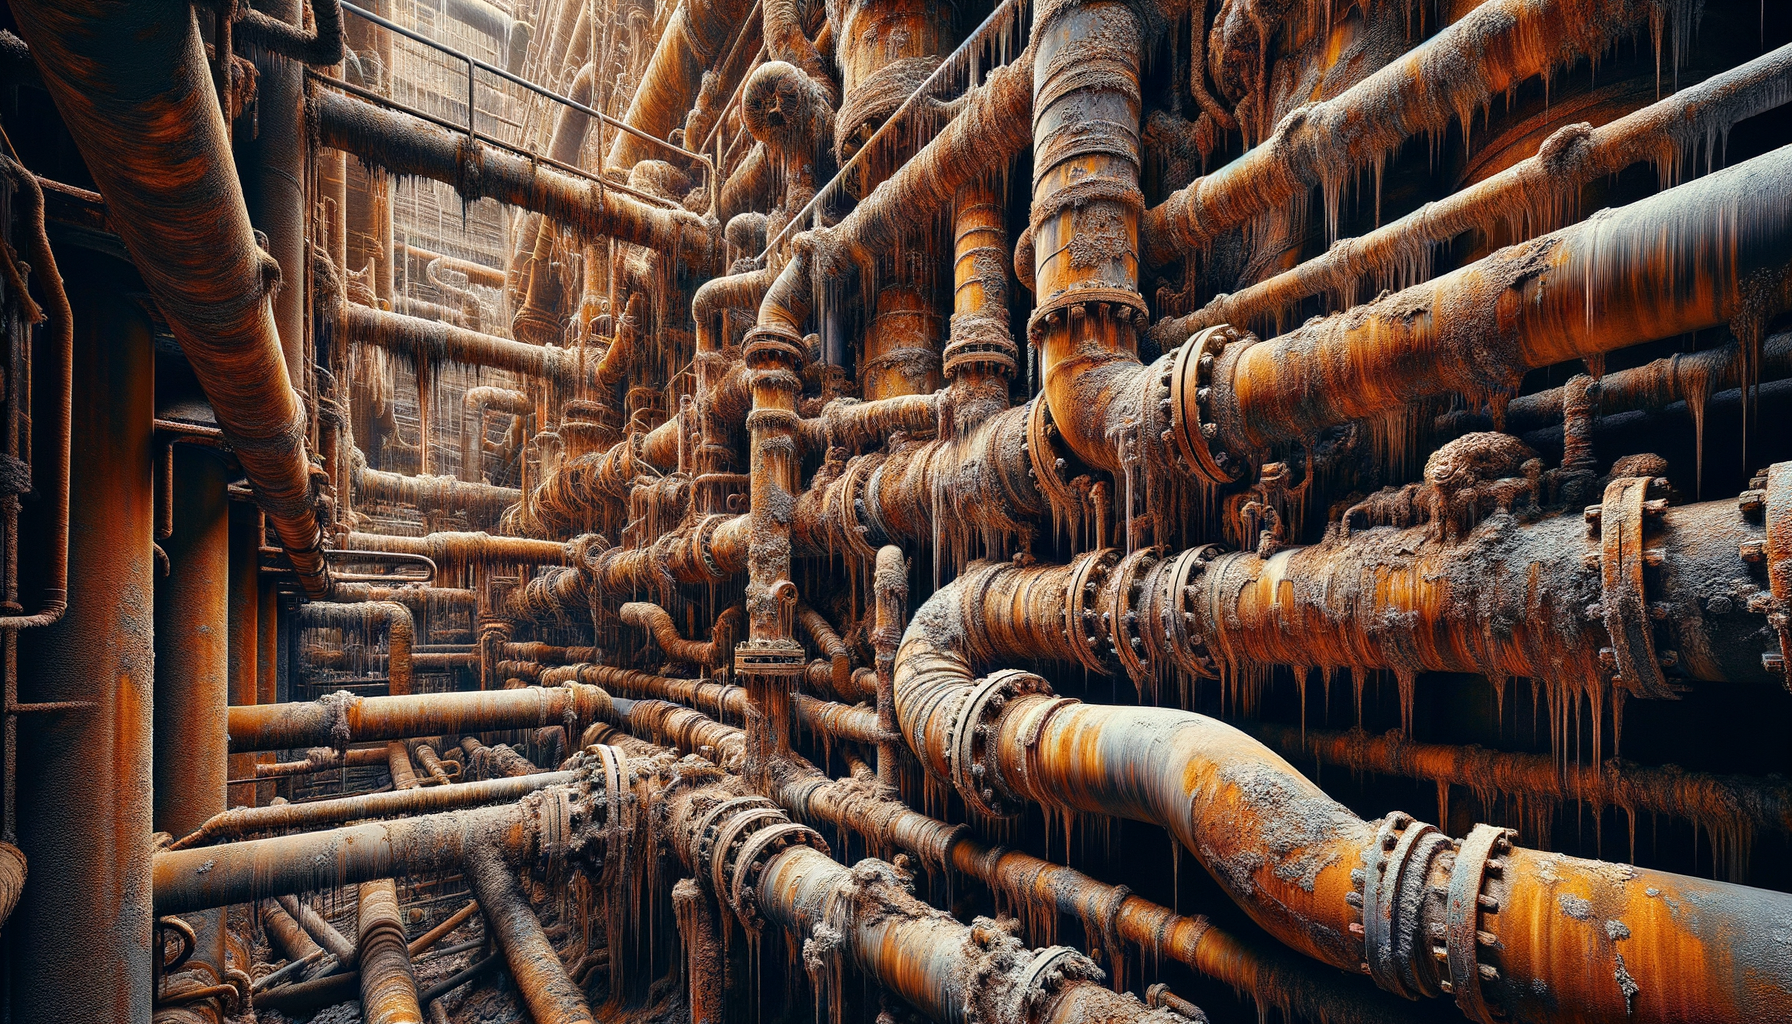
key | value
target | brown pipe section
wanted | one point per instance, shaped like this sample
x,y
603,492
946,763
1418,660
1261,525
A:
x,y
398,763
318,928
60,378
346,719
658,623
482,502
245,872
952,972
388,988
1543,186
689,46
451,548
541,979
242,821
1487,52
1296,861
160,152
410,146
431,341
1702,254
400,633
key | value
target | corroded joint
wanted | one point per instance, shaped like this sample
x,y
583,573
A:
x,y
976,771
1193,432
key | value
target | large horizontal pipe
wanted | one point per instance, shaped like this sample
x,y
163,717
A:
x,y
245,872
429,341
1692,257
1541,185
411,146
342,719
242,821
1487,52
454,548
151,132
483,502
1038,889
1326,883
952,972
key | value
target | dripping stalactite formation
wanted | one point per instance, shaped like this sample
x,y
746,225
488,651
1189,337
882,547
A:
x,y
991,512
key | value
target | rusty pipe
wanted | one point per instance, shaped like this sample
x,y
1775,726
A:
x,y
285,934
1691,377
245,872
398,764
1542,186
452,548
161,155
321,931
56,460
401,633
429,341
345,719
688,46
388,988
410,146
320,47
482,502
1486,52
242,821
1701,254
1037,887
890,590
658,623
540,978
772,870
1291,857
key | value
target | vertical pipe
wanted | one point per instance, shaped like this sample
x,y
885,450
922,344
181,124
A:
x,y
388,988
267,666
192,666
83,926
245,628
891,589
279,179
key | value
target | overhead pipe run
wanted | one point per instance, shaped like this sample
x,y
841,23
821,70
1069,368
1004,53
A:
x,y
401,632
341,719
160,153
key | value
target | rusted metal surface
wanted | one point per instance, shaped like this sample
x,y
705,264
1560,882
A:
x,y
540,977
342,719
388,988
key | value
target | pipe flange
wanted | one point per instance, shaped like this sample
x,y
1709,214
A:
x,y
703,835
1082,608
770,658
1192,428
730,836
975,771
1479,868
1155,414
1122,305
553,813
1175,617
1050,968
851,491
703,544
1125,590
1627,519
773,347
1778,514
750,863
1048,468
1392,897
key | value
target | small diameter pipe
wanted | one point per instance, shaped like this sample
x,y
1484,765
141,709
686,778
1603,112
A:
x,y
400,633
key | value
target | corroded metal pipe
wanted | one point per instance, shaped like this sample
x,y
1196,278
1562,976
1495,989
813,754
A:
x,y
1315,875
457,549
407,145
1542,186
401,633
430,341
550,995
160,153
1487,52
689,46
388,988
658,623
242,821
772,870
245,872
483,503
342,719
1705,253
